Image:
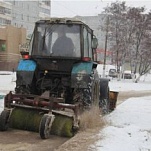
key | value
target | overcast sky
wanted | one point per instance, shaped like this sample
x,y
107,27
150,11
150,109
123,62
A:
x,y
70,8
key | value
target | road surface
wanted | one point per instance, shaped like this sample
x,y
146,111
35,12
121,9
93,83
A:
x,y
16,140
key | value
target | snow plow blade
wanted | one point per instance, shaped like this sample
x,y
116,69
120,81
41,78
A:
x,y
32,113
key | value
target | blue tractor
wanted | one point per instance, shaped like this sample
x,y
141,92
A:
x,y
58,73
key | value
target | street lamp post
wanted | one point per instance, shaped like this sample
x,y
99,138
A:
x,y
105,49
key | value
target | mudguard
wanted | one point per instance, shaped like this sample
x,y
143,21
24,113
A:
x,y
26,65
25,72
80,75
104,103
104,88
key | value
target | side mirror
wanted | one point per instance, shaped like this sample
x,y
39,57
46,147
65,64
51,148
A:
x,y
94,43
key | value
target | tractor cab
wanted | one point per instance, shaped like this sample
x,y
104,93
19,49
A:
x,y
62,38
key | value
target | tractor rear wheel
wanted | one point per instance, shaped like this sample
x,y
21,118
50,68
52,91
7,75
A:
x,y
89,96
4,120
104,106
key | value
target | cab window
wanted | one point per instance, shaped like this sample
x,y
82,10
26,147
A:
x,y
87,43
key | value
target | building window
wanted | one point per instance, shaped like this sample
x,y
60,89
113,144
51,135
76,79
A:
x,y
4,10
16,3
22,16
5,21
47,2
46,11
27,17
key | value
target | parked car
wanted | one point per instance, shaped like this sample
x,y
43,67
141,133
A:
x,y
113,73
127,74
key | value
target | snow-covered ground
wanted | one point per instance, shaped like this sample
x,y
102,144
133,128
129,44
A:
x,y
129,125
7,82
129,85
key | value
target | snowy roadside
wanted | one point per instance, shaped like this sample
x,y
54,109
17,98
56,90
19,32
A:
x,y
128,127
128,85
7,83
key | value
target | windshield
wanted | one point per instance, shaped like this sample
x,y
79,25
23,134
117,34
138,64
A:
x,y
56,40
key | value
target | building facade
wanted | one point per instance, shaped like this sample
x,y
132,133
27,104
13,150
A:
x,y
24,13
5,13
10,39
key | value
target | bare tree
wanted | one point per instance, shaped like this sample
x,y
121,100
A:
x,y
117,12
138,55
131,29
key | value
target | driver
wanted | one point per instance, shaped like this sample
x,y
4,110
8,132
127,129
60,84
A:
x,y
63,44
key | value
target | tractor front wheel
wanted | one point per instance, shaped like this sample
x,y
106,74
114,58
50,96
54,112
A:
x,y
4,120
45,126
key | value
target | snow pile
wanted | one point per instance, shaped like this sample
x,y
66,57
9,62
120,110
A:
x,y
7,81
129,128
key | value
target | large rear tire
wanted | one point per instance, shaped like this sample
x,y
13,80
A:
x,y
89,96
104,106
45,126
4,120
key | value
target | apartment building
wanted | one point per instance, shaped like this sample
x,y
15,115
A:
x,y
26,13
20,13
5,13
